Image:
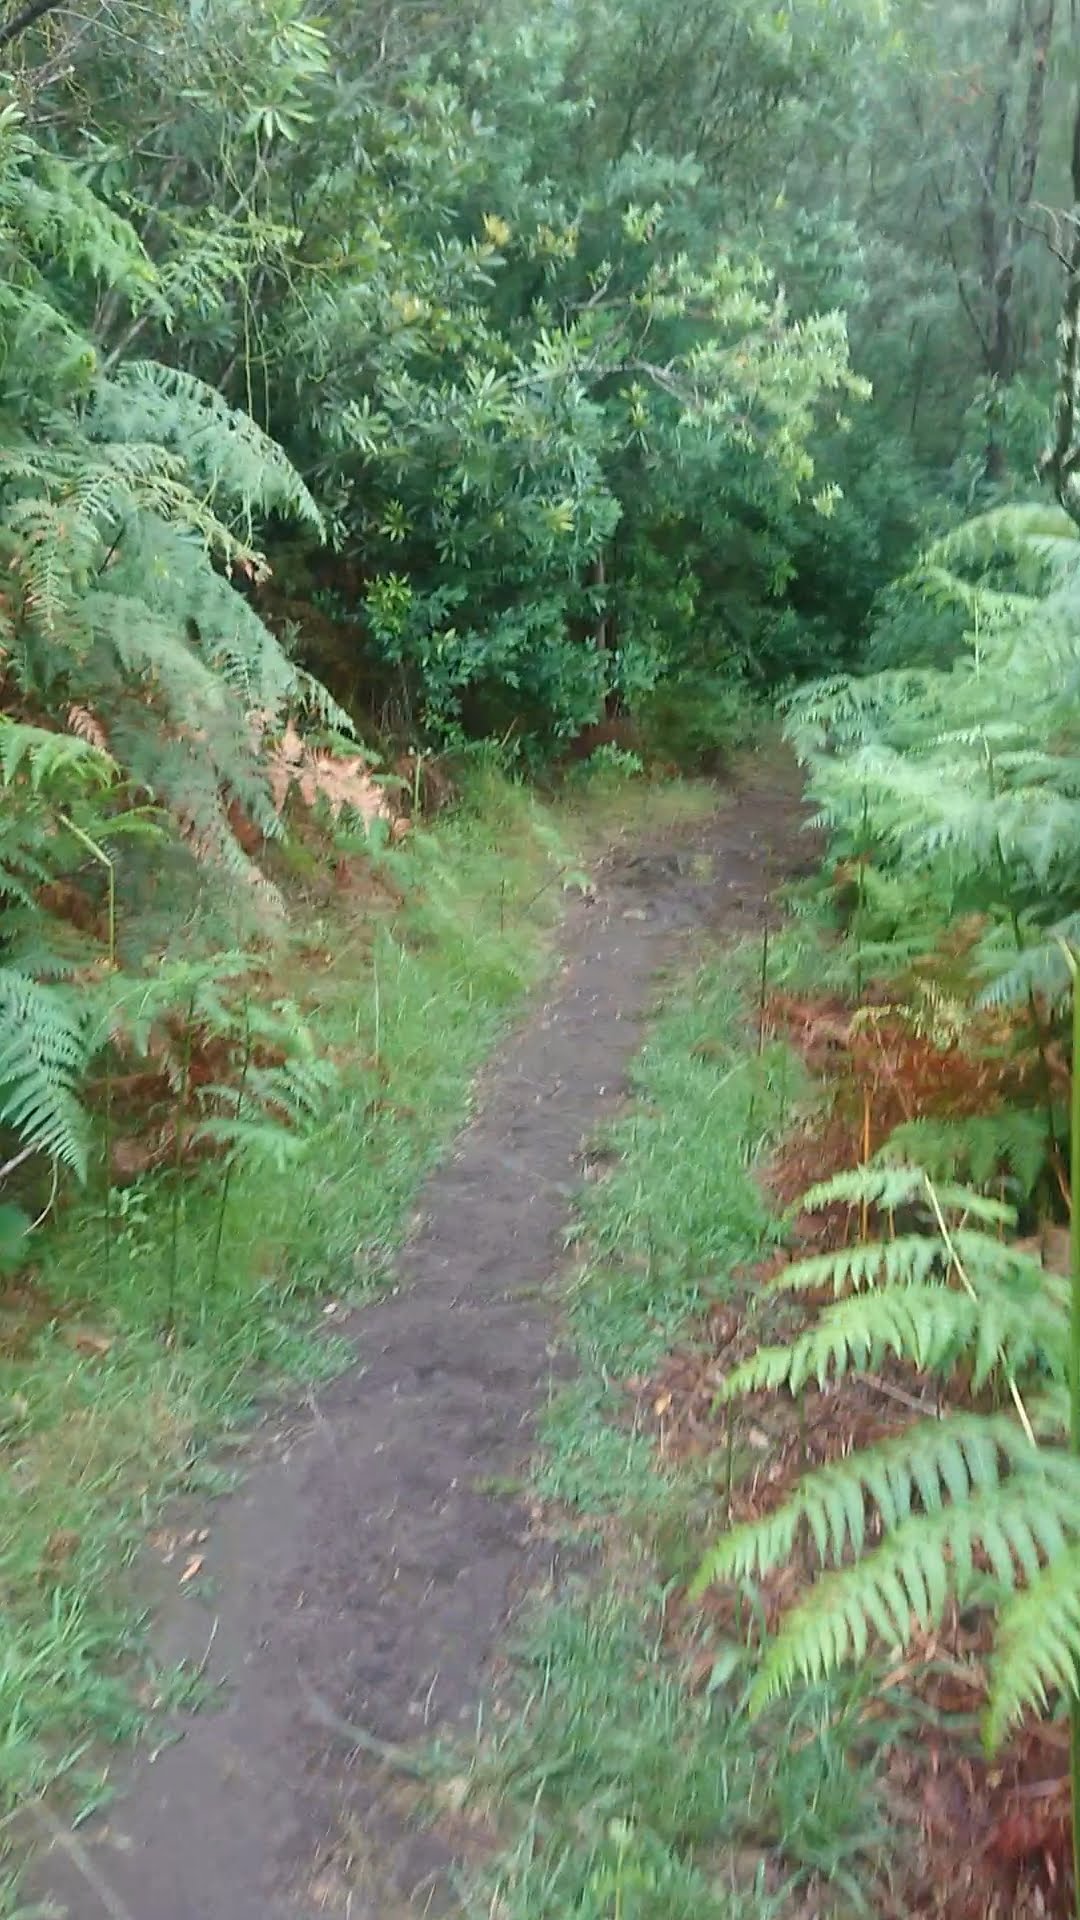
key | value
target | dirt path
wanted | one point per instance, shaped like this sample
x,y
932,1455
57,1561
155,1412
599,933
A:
x,y
363,1572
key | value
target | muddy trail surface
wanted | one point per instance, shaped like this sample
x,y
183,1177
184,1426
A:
x,y
361,1578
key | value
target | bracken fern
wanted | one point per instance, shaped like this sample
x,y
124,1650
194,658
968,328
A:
x,y
967,1505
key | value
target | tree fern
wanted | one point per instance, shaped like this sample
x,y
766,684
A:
x,y
121,487
222,452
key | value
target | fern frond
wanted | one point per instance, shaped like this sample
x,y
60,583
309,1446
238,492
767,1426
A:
x,y
1040,969
52,760
890,1187
254,1139
1033,527
905,1261
978,1146
1037,1650
43,1055
130,1006
908,1580
223,452
934,1461
931,1327
61,218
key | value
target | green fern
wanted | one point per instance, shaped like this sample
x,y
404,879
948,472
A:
x,y
52,760
889,1187
130,493
222,451
44,1053
981,1147
217,997
930,1327
900,1528
932,1498
923,1564
983,815
933,1462
1038,1647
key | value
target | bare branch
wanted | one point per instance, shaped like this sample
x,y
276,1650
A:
x,y
27,17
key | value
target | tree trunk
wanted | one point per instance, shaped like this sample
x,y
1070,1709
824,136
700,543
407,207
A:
x,y
602,633
1061,461
1002,356
989,236
1002,232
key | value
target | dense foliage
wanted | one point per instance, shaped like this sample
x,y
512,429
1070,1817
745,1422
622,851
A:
x,y
403,302
565,313
492,370
384,376
490,293
946,779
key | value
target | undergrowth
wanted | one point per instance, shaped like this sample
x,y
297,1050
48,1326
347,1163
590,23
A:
x,y
138,1339
622,1788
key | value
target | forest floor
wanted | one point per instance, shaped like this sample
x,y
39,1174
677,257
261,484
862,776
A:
x,y
352,1596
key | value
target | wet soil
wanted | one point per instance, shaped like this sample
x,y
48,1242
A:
x,y
362,1576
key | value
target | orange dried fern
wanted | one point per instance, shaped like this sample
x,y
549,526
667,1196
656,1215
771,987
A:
x,y
344,783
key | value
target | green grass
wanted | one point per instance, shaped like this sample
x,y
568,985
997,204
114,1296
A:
x,y
620,1794
665,1230
101,1415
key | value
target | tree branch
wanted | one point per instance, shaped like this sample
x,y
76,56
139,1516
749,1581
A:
x,y
27,17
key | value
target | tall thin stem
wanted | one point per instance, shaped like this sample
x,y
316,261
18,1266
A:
x,y
763,983
103,860
860,910
864,1205
180,1125
1074,1378
230,1168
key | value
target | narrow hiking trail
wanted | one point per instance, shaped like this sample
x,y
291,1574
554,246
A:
x,y
364,1571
